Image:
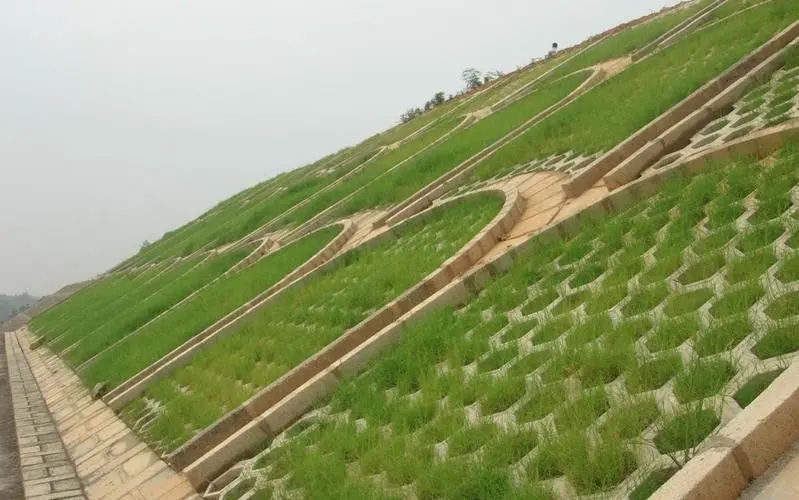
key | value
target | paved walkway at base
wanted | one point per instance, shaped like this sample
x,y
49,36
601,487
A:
x,y
779,482
111,462
10,474
47,471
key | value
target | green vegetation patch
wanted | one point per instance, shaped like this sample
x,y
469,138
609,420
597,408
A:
x,y
593,122
168,331
304,319
704,379
777,342
754,386
686,430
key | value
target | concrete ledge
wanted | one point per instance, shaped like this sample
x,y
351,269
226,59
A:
x,y
610,160
133,387
713,475
207,454
687,127
752,440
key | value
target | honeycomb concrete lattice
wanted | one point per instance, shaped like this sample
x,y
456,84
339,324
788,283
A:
x,y
698,351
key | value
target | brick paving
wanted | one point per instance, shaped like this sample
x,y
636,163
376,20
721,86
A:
x,y
47,472
110,462
10,474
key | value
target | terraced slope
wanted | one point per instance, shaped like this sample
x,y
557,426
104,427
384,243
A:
x,y
168,331
594,364
300,322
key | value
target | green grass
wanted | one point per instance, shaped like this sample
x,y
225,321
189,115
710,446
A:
x,y
686,430
651,484
143,307
760,237
89,304
303,320
723,337
754,386
789,270
603,117
170,330
751,266
653,374
702,380
688,302
737,301
627,41
672,333
777,342
402,182
703,269
477,357
784,306
646,299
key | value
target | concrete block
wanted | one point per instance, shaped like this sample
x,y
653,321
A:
x,y
765,430
711,475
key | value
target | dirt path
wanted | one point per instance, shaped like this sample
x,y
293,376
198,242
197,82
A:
x,y
10,479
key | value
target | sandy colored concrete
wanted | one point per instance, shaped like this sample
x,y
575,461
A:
x,y
109,461
780,481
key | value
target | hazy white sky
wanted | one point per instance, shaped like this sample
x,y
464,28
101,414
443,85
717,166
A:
x,y
121,120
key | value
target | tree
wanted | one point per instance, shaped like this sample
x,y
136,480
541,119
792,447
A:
x,y
473,78
410,115
438,98
145,244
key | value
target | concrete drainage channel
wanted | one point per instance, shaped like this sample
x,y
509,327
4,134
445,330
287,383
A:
x,y
47,471
72,447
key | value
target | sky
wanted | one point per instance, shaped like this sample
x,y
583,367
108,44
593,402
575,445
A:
x,y
122,120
